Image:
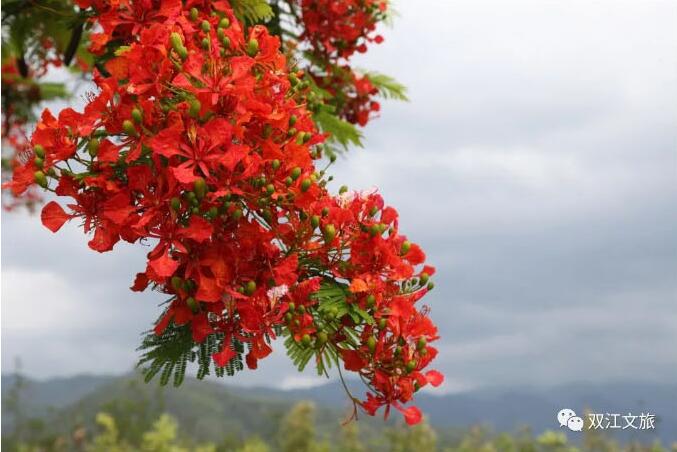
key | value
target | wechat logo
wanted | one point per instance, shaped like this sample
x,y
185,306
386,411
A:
x,y
567,418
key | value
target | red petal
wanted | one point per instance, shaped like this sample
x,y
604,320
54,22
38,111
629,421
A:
x,y
164,266
412,415
434,377
226,354
199,229
140,282
53,216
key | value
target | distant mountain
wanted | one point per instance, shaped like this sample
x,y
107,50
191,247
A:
x,y
209,409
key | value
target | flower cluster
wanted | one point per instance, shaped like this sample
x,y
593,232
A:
x,y
335,31
199,142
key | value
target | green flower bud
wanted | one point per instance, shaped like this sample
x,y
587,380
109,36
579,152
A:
x,y
176,282
275,164
206,26
205,43
39,162
305,184
224,23
288,317
195,107
424,278
371,343
411,366
250,287
192,304
193,14
39,151
431,285
325,211
237,214
175,203
40,179
295,173
137,116
252,47
343,189
314,221
183,53
270,189
200,188
421,344
288,181
322,338
371,301
305,340
382,323
292,120
329,233
226,42
176,41
129,129
306,137
292,307
93,147
406,246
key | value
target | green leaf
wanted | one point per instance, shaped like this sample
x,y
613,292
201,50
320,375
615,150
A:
x,y
388,87
252,11
340,131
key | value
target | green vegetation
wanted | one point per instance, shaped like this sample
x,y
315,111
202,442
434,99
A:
x,y
127,415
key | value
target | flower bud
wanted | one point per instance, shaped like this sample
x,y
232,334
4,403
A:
x,y
193,14
275,164
406,246
305,184
305,340
431,285
183,53
322,338
325,211
129,129
226,42
295,173
192,304
288,181
382,323
224,23
292,307
39,151
237,214
315,221
343,189
137,116
176,41
424,278
200,188
252,47
371,344
205,43
175,203
206,26
411,366
371,301
270,189
176,282
39,162
195,107
40,179
250,287
421,344
93,147
329,233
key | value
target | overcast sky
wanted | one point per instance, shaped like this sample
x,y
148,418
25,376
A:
x,y
537,165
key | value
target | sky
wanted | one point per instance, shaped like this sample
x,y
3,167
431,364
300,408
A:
x,y
536,163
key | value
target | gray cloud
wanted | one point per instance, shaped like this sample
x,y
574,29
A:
x,y
536,163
